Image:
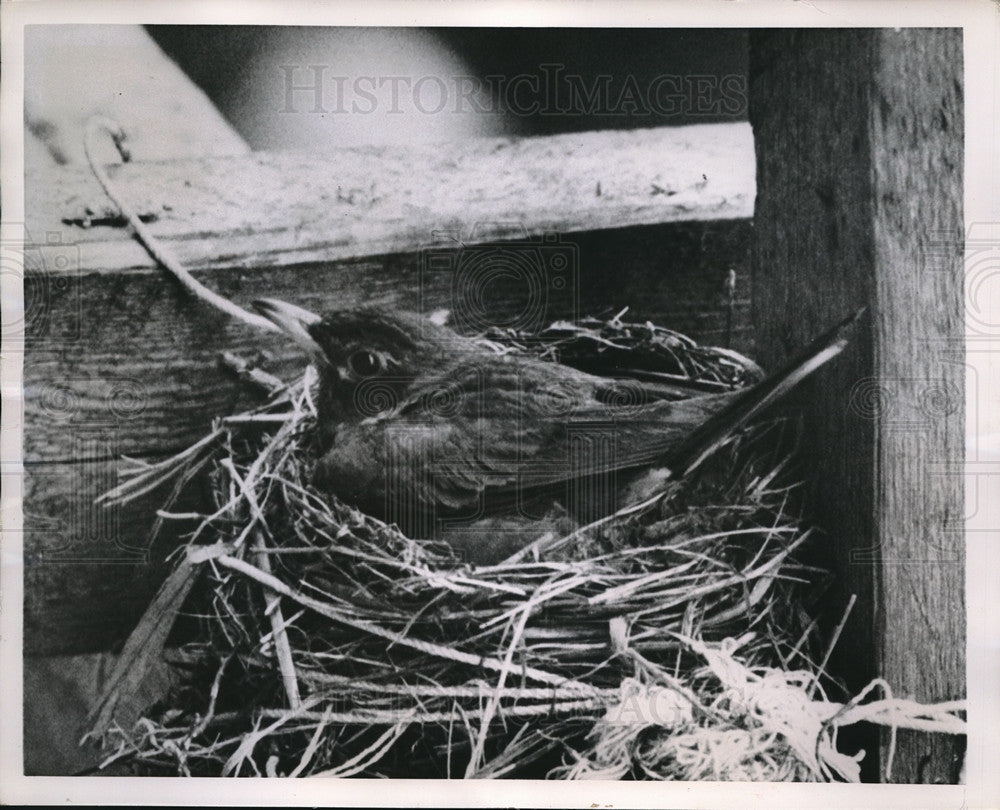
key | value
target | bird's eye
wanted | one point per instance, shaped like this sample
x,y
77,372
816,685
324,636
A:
x,y
365,364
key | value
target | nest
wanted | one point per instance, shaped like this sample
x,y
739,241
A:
x,y
669,640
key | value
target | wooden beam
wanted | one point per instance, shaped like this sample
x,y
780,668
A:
x,y
267,210
859,160
74,72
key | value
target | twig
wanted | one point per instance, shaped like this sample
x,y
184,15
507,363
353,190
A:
x,y
249,741
427,647
258,418
282,648
271,384
833,640
494,701
373,753
473,689
314,742
393,716
213,697
151,476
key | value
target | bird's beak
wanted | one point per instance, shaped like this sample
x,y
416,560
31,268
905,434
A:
x,y
293,321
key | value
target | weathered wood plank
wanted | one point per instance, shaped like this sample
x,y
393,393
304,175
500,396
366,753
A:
x,y
268,210
859,150
89,571
58,693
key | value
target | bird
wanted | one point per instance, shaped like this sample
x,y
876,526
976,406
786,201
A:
x,y
442,435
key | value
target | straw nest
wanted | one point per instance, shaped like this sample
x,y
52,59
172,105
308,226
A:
x,y
670,640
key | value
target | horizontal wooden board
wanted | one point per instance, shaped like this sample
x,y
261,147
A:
x,y
267,210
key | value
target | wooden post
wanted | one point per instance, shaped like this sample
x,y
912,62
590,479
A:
x,y
859,139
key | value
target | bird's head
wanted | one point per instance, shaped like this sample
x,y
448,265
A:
x,y
359,349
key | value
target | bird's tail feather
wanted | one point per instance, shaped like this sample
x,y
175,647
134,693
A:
x,y
717,429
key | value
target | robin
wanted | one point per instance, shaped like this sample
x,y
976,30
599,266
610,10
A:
x,y
447,438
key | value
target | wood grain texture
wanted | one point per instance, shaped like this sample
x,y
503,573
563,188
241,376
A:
x,y
859,150
57,695
119,360
274,209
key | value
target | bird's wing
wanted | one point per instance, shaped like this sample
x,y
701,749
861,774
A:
x,y
510,429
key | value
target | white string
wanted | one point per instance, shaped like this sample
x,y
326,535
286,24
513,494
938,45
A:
x,y
160,253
